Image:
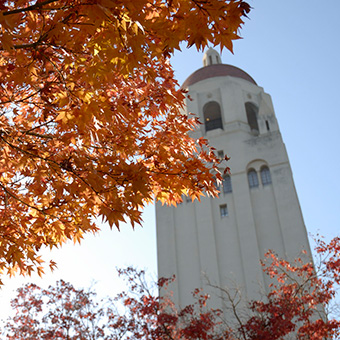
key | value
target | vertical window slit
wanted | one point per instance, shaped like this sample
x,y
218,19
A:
x,y
223,210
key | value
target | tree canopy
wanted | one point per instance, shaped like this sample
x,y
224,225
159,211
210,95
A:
x,y
91,123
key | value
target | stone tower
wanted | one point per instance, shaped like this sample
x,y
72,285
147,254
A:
x,y
223,239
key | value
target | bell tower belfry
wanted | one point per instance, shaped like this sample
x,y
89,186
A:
x,y
223,239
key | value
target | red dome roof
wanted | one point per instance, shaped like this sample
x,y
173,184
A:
x,y
216,70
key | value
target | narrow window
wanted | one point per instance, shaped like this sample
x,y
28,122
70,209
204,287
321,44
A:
x,y
267,125
212,116
252,111
210,59
227,184
253,179
223,210
220,154
265,176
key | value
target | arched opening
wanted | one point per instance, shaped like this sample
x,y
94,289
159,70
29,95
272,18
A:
x,y
253,179
252,111
212,116
265,176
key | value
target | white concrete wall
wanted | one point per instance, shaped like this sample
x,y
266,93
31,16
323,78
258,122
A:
x,y
193,240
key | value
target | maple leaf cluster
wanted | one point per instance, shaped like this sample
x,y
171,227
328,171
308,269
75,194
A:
x,y
91,123
297,307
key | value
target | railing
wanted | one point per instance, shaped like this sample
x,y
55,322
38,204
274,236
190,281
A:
x,y
213,124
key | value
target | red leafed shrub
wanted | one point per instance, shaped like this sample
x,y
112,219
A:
x,y
298,306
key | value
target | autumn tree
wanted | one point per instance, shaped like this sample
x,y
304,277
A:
x,y
299,306
59,312
64,312
302,301
91,123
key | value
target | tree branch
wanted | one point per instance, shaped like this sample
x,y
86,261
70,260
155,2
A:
x,y
29,8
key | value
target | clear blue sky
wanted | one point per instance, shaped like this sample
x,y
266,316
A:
x,y
292,49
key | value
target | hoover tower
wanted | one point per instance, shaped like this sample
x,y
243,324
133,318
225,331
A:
x,y
223,239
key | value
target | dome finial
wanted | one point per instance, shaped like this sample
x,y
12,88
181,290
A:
x,y
211,57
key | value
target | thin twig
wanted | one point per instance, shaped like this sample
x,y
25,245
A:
x,y
29,8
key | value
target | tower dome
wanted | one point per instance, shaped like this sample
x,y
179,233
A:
x,y
213,67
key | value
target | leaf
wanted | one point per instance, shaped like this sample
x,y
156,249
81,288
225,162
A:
x,y
7,41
